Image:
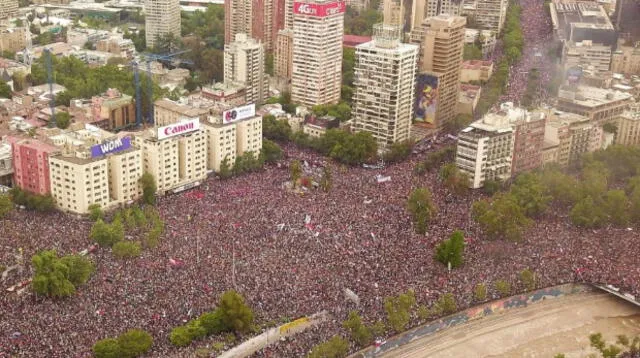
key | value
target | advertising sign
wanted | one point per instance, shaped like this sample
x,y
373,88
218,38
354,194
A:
x,y
319,10
175,129
426,98
110,146
574,74
239,113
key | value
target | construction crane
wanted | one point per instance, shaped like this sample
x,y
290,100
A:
x,y
148,58
52,101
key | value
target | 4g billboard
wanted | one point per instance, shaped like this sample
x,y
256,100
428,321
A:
x,y
319,10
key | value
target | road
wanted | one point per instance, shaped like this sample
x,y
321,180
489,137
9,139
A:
x,y
543,329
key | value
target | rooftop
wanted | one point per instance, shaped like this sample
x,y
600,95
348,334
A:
x,y
591,96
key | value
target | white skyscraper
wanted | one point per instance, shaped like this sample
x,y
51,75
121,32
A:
x,y
244,63
162,17
318,27
385,73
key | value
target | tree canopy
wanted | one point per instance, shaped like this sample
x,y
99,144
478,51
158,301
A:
x,y
58,277
422,209
451,251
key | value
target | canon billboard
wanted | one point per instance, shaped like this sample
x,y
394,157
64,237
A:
x,y
319,10
175,129
239,113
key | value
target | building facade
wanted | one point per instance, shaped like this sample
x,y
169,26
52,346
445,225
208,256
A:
x,y
528,141
628,124
259,19
599,105
441,40
283,55
31,165
15,39
8,9
491,14
384,84
6,163
586,54
113,110
570,135
244,63
162,18
626,60
318,27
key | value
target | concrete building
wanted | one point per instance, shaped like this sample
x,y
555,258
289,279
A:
x,y
113,110
528,140
162,17
586,54
575,21
441,40
626,60
118,46
393,12
628,124
318,27
8,9
384,81
15,39
486,39
31,165
6,163
476,71
485,149
259,19
599,105
568,136
168,112
468,98
244,63
422,9
233,94
318,126
175,154
231,135
283,55
491,14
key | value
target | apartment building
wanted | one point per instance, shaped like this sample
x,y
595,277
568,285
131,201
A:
x,y
318,27
626,60
162,18
599,105
568,136
476,71
6,163
528,140
168,112
244,63
283,55
113,110
384,81
31,165
628,124
422,9
586,54
491,14
230,93
259,19
15,39
8,9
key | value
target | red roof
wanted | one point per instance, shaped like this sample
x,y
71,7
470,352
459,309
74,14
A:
x,y
353,40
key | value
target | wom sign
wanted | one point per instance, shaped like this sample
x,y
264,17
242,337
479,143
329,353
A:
x,y
111,146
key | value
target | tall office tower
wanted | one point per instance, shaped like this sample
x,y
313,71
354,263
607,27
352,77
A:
x,y
422,9
238,19
393,13
283,56
260,19
288,14
385,74
318,27
8,9
162,17
441,39
244,63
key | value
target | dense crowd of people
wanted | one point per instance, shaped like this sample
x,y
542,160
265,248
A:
x,y
289,254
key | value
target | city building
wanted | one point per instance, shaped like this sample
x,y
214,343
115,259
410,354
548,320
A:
x,y
318,126
162,18
491,14
485,149
91,57
113,110
6,163
575,21
423,9
93,166
476,71
283,55
79,36
628,125
351,41
384,81
175,154
259,19
528,139
358,5
586,54
318,27
8,9
117,46
393,12
244,63
15,39
31,165
166,111
568,136
626,60
468,98
441,40
486,39
599,105
233,94
235,132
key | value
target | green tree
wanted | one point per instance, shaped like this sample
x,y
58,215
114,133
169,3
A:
x,y
134,343
600,344
268,64
586,213
472,52
564,189
491,186
5,90
295,172
356,149
503,287
529,193
180,336
336,347
326,181
616,205
501,217
126,249
359,332
6,206
528,279
107,234
95,212
107,348
634,205
234,313
458,123
149,188
51,276
398,310
80,269
450,251
422,208
225,171
454,179
398,151
272,151
480,292
275,129
446,304
212,322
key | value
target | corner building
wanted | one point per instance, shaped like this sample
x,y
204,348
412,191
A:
x,y
318,27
